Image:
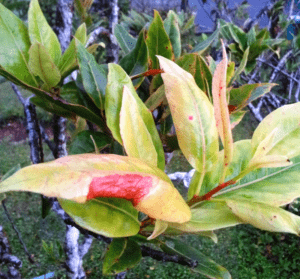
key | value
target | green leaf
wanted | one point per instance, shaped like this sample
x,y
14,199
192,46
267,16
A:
x,y
160,227
41,32
51,107
276,189
251,36
93,75
201,47
192,114
122,254
236,117
83,143
207,216
286,139
125,40
138,131
239,36
230,72
241,67
156,98
14,52
189,24
265,217
117,79
205,266
42,65
241,157
84,177
195,65
106,216
158,42
242,96
172,29
136,61
68,61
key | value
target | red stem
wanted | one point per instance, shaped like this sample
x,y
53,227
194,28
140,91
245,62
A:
x,y
208,195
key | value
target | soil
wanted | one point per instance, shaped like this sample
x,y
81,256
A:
x,y
16,131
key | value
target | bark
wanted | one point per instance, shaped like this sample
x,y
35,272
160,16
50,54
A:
x,y
113,48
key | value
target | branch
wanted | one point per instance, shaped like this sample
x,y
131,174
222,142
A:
x,y
95,34
5,257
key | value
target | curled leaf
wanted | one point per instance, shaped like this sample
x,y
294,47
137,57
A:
x,y
87,176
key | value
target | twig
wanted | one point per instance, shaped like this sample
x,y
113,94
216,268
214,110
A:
x,y
17,232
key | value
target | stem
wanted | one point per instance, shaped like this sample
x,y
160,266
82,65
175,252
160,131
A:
x,y
151,72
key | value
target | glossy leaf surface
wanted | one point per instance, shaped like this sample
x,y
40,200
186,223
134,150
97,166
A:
x,y
265,217
105,216
286,139
172,29
41,32
158,41
93,75
195,65
208,215
87,176
42,65
68,61
205,266
123,254
192,114
242,96
136,61
83,143
117,79
278,188
137,140
14,52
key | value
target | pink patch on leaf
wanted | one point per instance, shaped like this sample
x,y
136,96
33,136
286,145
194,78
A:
x,y
191,117
132,187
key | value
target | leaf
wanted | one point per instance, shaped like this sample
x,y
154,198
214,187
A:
x,y
160,227
158,42
230,72
189,24
41,32
265,217
93,75
42,65
134,129
195,65
205,265
172,28
286,139
136,61
242,96
236,118
87,176
11,172
241,157
68,61
238,35
221,110
83,143
207,216
276,189
117,79
251,36
191,113
105,216
14,52
156,98
241,67
122,254
201,47
125,40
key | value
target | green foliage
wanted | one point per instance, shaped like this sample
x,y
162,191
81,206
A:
x,y
104,193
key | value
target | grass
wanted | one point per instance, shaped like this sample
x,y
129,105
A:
x,y
246,252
